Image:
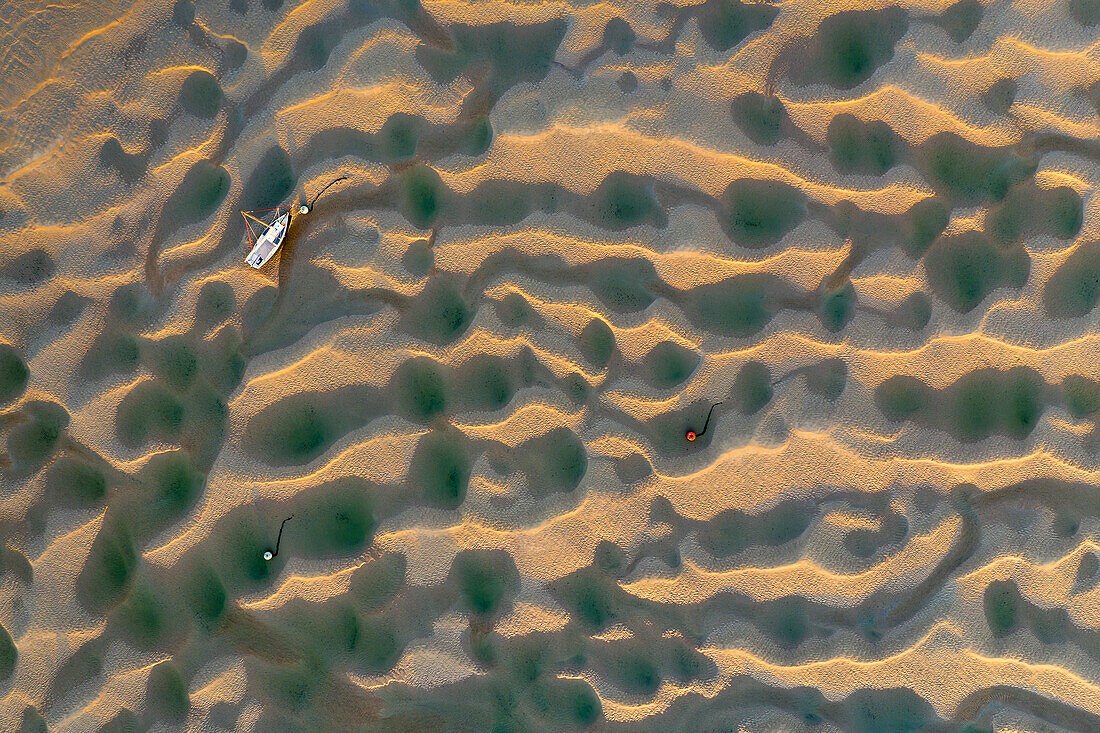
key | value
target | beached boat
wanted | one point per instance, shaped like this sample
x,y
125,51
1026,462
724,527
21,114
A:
x,y
266,236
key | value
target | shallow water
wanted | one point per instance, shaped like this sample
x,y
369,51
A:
x,y
699,366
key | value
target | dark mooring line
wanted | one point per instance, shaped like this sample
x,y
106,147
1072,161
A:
x,y
692,435
268,555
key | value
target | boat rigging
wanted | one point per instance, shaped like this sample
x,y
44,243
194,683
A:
x,y
267,233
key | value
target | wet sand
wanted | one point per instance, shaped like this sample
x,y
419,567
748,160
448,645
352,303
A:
x,y
659,366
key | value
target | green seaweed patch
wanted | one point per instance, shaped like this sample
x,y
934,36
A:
x,y
554,462
893,710
668,364
978,405
294,687
399,136
597,342
149,411
31,443
738,306
110,352
786,621
315,42
215,303
565,703
201,94
486,580
9,654
850,46
725,23
166,692
624,200
206,595
965,268
378,645
1029,209
732,531
220,360
32,721
961,19
15,562
856,146
271,181
1001,95
924,221
425,197
422,388
131,304
338,519
1001,603
1064,212
1009,403
76,481
838,305
618,36
418,258
171,486
636,672
298,428
902,396
439,314
478,136
110,565
440,467
199,194
827,378
752,389
914,312
593,599
13,373
514,311
485,382
514,53
625,285
969,173
758,213
144,618
175,360
1073,289
762,117
1081,394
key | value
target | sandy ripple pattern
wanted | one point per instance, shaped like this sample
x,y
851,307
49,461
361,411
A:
x,y
665,366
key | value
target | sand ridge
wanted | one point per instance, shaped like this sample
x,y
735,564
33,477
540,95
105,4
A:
x,y
855,241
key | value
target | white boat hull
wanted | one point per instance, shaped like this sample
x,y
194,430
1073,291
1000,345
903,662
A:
x,y
267,244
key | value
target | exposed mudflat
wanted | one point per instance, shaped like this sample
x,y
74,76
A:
x,y
868,233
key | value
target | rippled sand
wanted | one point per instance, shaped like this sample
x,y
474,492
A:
x,y
862,239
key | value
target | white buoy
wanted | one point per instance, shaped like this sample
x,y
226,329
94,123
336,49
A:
x,y
303,209
268,555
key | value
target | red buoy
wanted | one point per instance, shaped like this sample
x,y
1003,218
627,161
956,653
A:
x,y
690,435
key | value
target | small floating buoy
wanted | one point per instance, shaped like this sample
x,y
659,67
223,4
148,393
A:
x,y
305,207
268,555
691,435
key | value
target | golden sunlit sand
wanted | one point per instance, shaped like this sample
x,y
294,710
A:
x,y
657,366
